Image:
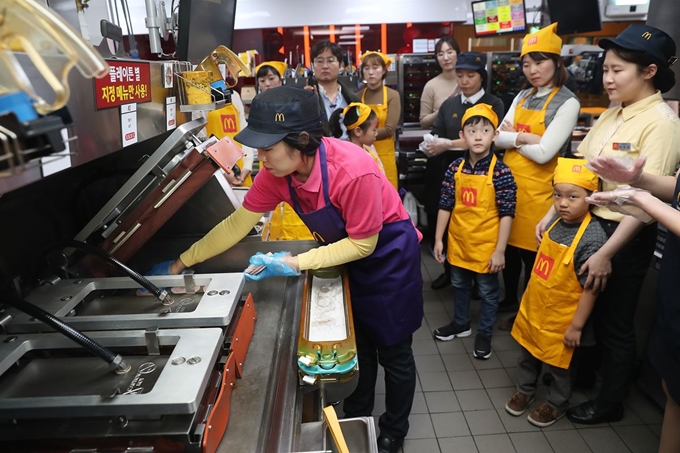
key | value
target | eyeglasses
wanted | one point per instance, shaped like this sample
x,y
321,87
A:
x,y
321,61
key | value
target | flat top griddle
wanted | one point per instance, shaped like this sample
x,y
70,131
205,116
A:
x,y
49,376
113,303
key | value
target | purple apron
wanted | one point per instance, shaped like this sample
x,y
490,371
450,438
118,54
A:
x,y
386,286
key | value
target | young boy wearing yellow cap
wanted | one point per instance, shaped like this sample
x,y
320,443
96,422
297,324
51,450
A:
x,y
555,305
477,204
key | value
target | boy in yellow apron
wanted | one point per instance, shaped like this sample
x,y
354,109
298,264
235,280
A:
x,y
555,306
476,207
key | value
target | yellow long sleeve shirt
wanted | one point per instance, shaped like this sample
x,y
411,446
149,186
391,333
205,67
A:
x,y
235,227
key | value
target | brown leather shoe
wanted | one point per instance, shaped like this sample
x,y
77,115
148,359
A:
x,y
518,404
545,415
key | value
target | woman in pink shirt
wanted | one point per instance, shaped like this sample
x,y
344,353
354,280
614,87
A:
x,y
357,217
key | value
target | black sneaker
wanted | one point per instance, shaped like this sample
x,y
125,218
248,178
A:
x,y
441,282
451,331
482,347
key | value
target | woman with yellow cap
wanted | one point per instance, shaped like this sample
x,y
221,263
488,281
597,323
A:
x,y
535,130
361,124
386,104
269,74
557,302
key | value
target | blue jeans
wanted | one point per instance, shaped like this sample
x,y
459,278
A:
x,y
487,284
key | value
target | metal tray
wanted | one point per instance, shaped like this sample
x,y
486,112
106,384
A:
x,y
111,304
49,376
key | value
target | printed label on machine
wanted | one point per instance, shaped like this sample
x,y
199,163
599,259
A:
x,y
170,113
128,124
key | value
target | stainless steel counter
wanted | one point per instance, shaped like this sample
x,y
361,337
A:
x,y
266,404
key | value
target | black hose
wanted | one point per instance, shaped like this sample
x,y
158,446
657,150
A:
x,y
114,360
160,294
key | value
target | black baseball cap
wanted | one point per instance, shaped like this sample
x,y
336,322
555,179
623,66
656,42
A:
x,y
278,112
643,38
473,61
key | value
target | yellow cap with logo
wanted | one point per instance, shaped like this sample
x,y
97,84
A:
x,y
544,40
574,171
484,110
382,56
280,67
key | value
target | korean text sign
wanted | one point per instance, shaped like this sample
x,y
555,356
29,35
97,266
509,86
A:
x,y
126,83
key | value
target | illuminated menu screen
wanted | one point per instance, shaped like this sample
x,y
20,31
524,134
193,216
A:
x,y
495,17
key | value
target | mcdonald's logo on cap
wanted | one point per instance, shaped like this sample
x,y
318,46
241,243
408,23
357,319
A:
x,y
532,40
279,117
647,35
543,266
576,169
229,123
469,196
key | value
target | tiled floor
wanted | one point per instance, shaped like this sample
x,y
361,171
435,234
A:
x,y
459,402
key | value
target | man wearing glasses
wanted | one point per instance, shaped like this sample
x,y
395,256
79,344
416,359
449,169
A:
x,y
333,94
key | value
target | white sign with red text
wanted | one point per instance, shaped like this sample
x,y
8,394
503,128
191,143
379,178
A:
x,y
170,113
128,124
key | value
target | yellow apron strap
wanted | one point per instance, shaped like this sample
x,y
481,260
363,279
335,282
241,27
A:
x,y
384,101
460,167
459,172
579,234
492,167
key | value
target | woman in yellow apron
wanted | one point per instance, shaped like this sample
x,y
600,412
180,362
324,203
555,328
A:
x,y
536,129
386,104
556,306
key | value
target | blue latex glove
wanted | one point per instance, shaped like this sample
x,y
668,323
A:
x,y
162,268
274,266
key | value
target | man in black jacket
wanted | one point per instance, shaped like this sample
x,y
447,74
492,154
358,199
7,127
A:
x,y
333,94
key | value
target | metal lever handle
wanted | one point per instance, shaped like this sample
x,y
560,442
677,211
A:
x,y
189,283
